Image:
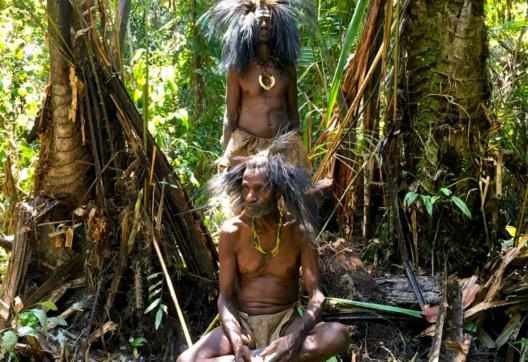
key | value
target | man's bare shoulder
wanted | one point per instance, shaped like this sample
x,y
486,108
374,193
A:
x,y
233,226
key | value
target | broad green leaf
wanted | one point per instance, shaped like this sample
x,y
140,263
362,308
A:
x,y
154,293
428,204
43,319
381,307
461,205
28,319
521,341
445,191
153,305
9,341
410,198
48,304
153,275
137,342
435,199
351,35
58,321
27,331
159,316
154,286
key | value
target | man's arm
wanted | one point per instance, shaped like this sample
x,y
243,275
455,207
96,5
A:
x,y
232,106
226,310
285,348
316,298
291,100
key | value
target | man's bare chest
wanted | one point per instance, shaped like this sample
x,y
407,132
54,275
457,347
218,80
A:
x,y
255,80
253,263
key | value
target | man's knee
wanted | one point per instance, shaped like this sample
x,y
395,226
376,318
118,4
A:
x,y
337,336
187,356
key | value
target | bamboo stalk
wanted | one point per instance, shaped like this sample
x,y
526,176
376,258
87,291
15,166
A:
x,y
172,293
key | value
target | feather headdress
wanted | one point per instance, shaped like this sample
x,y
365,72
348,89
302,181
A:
x,y
236,21
284,179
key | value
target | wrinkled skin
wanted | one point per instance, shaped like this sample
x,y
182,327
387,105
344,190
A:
x,y
253,109
258,284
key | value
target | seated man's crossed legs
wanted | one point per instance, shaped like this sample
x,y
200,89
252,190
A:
x,y
324,341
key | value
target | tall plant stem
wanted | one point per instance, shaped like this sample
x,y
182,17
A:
x,y
521,217
396,57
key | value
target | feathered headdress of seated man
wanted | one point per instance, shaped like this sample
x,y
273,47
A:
x,y
237,22
285,180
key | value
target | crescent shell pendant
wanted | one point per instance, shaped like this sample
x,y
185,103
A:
x,y
270,78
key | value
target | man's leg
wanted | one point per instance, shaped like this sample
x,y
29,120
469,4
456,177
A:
x,y
213,347
324,341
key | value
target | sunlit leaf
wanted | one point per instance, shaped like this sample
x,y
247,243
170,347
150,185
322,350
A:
x,y
428,204
27,331
43,319
410,198
461,205
512,230
58,321
48,304
350,37
9,341
153,305
159,316
445,191
381,307
153,275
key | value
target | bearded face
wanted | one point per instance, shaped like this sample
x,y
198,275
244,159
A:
x,y
259,198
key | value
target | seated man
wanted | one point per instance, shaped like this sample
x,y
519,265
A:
x,y
263,252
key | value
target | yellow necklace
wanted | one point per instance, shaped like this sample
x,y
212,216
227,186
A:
x,y
256,237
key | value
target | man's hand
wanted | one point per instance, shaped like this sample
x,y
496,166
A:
x,y
242,353
283,349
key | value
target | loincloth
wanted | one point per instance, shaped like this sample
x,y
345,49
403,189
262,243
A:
x,y
266,328
243,144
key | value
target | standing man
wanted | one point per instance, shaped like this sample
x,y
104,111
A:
x,y
261,45
263,253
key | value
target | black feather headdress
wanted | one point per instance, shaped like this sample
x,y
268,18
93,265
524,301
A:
x,y
237,23
283,178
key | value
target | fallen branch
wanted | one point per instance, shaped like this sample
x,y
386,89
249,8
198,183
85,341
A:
x,y
99,332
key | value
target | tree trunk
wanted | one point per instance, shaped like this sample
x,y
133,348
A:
x,y
444,87
445,84
63,159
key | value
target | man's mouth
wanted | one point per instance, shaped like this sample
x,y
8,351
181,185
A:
x,y
259,210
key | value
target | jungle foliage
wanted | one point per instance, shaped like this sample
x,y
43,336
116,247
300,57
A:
x,y
454,217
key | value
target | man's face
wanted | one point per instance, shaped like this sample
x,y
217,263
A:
x,y
258,196
264,21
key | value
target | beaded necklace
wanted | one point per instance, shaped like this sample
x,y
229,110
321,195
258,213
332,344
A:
x,y
256,237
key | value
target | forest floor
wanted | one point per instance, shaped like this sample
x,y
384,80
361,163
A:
x,y
379,336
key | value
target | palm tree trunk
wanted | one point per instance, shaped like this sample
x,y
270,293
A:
x,y
445,84
63,160
443,88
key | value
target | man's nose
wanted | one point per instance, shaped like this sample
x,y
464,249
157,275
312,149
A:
x,y
251,197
